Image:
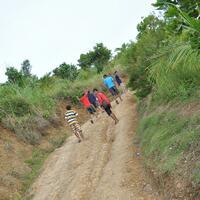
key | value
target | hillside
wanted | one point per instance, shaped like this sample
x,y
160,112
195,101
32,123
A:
x,y
104,166
152,153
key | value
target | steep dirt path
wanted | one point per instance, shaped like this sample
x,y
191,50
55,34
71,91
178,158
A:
x,y
103,167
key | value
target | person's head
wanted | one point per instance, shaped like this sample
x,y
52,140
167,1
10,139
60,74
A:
x,y
95,91
68,107
88,92
115,72
105,75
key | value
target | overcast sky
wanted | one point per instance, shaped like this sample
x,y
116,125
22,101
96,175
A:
x,y
49,32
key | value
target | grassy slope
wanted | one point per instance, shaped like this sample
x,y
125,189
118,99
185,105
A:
x,y
33,115
170,136
28,111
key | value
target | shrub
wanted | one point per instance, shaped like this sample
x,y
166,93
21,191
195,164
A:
x,y
28,135
14,105
176,72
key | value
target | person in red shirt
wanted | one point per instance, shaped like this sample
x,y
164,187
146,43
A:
x,y
105,104
89,107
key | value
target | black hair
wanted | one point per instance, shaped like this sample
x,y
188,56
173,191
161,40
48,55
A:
x,y
105,75
95,90
68,107
115,72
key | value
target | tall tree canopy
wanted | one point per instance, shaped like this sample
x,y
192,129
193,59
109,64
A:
x,y
14,76
172,17
26,68
66,71
98,57
188,6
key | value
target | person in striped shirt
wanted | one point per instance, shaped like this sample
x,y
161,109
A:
x,y
71,117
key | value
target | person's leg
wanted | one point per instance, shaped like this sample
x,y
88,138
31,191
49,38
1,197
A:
x,y
91,114
113,92
117,94
122,85
113,116
73,126
94,112
98,108
79,130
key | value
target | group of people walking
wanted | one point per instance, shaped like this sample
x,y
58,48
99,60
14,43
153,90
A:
x,y
95,102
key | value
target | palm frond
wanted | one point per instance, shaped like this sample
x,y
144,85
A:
x,y
193,24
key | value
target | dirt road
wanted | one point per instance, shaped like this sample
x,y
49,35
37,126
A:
x,y
103,167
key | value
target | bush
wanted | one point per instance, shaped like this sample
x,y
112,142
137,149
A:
x,y
27,135
14,105
176,72
29,110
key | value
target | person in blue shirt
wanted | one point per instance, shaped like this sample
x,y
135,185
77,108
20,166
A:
x,y
110,84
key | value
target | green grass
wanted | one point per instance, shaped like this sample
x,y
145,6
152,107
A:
x,y
35,163
59,141
166,138
175,72
21,107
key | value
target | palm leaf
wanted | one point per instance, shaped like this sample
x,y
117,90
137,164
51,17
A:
x,y
193,24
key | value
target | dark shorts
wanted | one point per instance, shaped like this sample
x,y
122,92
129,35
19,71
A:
x,y
114,91
119,83
108,109
91,110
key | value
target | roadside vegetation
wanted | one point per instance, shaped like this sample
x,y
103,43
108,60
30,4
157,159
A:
x,y
30,107
164,68
163,65
28,103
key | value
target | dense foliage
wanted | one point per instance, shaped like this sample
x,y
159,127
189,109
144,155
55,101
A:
x,y
98,57
28,103
164,68
66,71
163,60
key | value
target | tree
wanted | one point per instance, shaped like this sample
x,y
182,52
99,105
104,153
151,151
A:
x,y
26,68
66,71
149,24
85,61
122,48
190,7
14,76
98,57
173,20
136,55
101,56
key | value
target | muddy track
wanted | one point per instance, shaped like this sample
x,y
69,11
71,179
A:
x,y
103,167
